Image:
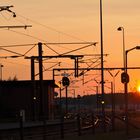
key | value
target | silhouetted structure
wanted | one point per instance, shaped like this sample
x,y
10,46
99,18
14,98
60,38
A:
x,y
23,97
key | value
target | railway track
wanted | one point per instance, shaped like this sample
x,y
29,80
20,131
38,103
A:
x,y
56,129
44,130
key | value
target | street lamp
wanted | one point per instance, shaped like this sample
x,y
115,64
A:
x,y
126,52
123,37
126,85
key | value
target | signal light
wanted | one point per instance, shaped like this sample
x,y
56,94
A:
x,y
65,81
124,77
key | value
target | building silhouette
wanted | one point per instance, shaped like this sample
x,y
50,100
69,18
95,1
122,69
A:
x,y
23,97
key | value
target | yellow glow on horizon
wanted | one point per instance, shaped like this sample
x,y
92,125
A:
x,y
138,88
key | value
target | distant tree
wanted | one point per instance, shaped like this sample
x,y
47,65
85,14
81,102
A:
x,y
13,79
9,79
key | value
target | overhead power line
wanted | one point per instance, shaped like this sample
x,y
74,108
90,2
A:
x,y
39,39
12,52
18,45
52,29
80,48
47,43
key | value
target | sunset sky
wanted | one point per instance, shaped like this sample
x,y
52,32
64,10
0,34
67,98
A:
x,y
72,21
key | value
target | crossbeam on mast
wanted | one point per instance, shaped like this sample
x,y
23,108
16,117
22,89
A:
x,y
17,26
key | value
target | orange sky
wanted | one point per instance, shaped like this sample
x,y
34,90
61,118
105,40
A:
x,y
69,21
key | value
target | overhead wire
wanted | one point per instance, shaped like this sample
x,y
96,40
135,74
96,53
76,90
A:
x,y
24,33
29,50
43,26
18,54
78,49
11,51
51,28
23,64
89,66
19,45
39,39
45,40
52,49
5,17
48,68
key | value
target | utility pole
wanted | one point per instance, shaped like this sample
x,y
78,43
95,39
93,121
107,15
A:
x,y
41,108
102,67
76,66
32,69
66,112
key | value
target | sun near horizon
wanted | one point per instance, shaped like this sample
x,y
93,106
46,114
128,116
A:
x,y
138,89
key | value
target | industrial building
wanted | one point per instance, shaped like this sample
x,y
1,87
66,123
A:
x,y
31,99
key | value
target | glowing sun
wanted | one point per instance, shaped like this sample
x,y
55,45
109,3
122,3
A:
x,y
138,88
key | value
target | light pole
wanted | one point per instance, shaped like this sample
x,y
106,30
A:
x,y
102,66
125,77
60,101
123,39
126,85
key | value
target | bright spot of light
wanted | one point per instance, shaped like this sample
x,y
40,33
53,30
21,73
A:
x,y
102,102
138,88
